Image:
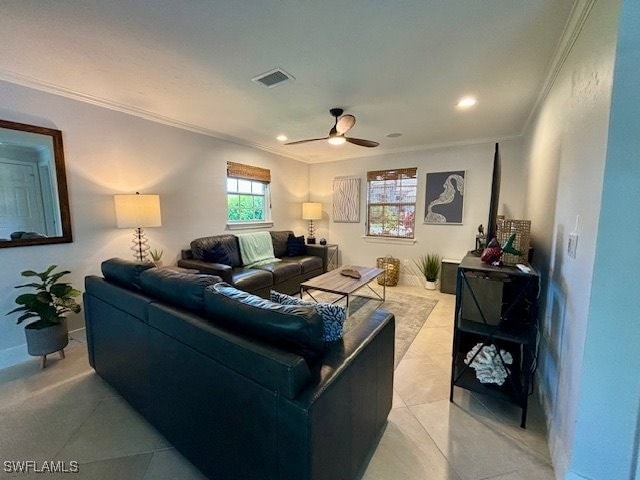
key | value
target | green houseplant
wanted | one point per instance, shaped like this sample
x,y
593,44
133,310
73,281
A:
x,y
49,303
429,266
156,255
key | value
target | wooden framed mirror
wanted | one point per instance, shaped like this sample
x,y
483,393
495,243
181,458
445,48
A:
x,y
34,203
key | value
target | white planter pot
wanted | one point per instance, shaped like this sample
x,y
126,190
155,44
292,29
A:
x,y
430,285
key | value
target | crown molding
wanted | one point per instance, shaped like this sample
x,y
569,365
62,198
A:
x,y
37,84
577,18
419,148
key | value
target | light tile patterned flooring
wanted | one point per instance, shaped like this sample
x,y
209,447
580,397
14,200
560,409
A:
x,y
66,412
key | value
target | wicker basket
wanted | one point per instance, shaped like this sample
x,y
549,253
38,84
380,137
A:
x,y
522,229
391,266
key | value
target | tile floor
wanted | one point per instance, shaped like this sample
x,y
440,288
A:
x,y
66,412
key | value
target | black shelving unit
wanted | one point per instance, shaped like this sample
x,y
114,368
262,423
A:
x,y
496,306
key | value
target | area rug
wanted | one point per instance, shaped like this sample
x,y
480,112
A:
x,y
410,311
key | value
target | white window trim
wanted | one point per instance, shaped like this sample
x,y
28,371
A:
x,y
249,225
389,240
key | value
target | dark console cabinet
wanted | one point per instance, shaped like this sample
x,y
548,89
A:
x,y
496,306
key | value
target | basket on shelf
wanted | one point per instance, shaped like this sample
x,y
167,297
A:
x,y
391,266
522,229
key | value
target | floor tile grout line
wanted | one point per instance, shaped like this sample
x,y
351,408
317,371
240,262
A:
x,y
499,475
75,431
434,442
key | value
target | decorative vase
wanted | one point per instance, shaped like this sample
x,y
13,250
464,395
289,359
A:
x,y
430,285
43,341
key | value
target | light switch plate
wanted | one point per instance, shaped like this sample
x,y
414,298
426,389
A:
x,y
572,248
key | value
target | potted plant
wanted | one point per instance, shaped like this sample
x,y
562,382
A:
x,y
49,303
156,255
429,266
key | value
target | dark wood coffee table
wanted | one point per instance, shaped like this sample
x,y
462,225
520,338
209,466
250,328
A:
x,y
335,282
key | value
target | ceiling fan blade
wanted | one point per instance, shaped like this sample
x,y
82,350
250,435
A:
x,y
345,123
305,141
361,142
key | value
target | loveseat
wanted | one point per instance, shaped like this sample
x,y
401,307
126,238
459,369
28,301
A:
x,y
243,388
284,276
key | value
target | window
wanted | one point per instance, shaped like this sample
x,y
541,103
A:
x,y
248,194
391,203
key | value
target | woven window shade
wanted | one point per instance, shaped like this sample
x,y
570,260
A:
x,y
396,174
248,172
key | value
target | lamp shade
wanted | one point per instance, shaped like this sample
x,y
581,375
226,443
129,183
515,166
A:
x,y
311,211
133,211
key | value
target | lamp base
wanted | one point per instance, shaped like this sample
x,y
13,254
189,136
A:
x,y
311,240
140,245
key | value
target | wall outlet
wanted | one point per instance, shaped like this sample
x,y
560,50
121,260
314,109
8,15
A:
x,y
573,245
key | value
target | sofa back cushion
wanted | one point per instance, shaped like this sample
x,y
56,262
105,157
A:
x,y
180,289
124,272
294,328
229,242
279,240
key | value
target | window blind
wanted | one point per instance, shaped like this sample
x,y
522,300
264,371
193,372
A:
x,y
248,172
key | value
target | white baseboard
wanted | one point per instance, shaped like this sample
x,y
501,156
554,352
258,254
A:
x,y
13,356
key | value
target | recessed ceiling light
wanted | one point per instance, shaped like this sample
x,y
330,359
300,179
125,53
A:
x,y
467,102
282,138
394,135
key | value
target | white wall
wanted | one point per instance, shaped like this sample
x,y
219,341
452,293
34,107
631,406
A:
x,y
450,241
109,152
565,149
607,423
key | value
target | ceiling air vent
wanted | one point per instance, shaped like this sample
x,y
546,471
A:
x,y
273,78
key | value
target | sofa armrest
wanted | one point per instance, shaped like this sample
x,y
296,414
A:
x,y
223,271
319,251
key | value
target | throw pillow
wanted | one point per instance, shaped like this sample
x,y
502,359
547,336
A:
x,y
333,316
217,254
296,246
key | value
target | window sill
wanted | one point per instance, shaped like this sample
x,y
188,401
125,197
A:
x,y
389,240
248,225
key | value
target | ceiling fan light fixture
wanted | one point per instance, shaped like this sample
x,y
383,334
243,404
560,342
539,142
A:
x,y
336,140
466,102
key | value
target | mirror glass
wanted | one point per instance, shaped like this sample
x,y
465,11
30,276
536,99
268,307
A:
x,y
34,205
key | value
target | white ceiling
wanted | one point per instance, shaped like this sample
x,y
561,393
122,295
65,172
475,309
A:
x,y
399,66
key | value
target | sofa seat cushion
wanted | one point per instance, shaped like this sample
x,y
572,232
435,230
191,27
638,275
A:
x,y
307,263
251,279
181,289
282,271
229,242
124,272
295,328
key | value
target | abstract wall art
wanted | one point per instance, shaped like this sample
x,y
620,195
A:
x,y
346,200
444,198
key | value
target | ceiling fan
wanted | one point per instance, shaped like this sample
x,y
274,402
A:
x,y
341,126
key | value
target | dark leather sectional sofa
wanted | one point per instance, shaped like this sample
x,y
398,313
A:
x,y
285,276
243,388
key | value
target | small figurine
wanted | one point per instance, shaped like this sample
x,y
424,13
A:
x,y
493,252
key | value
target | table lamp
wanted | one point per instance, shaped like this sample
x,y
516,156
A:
x,y
138,211
311,211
